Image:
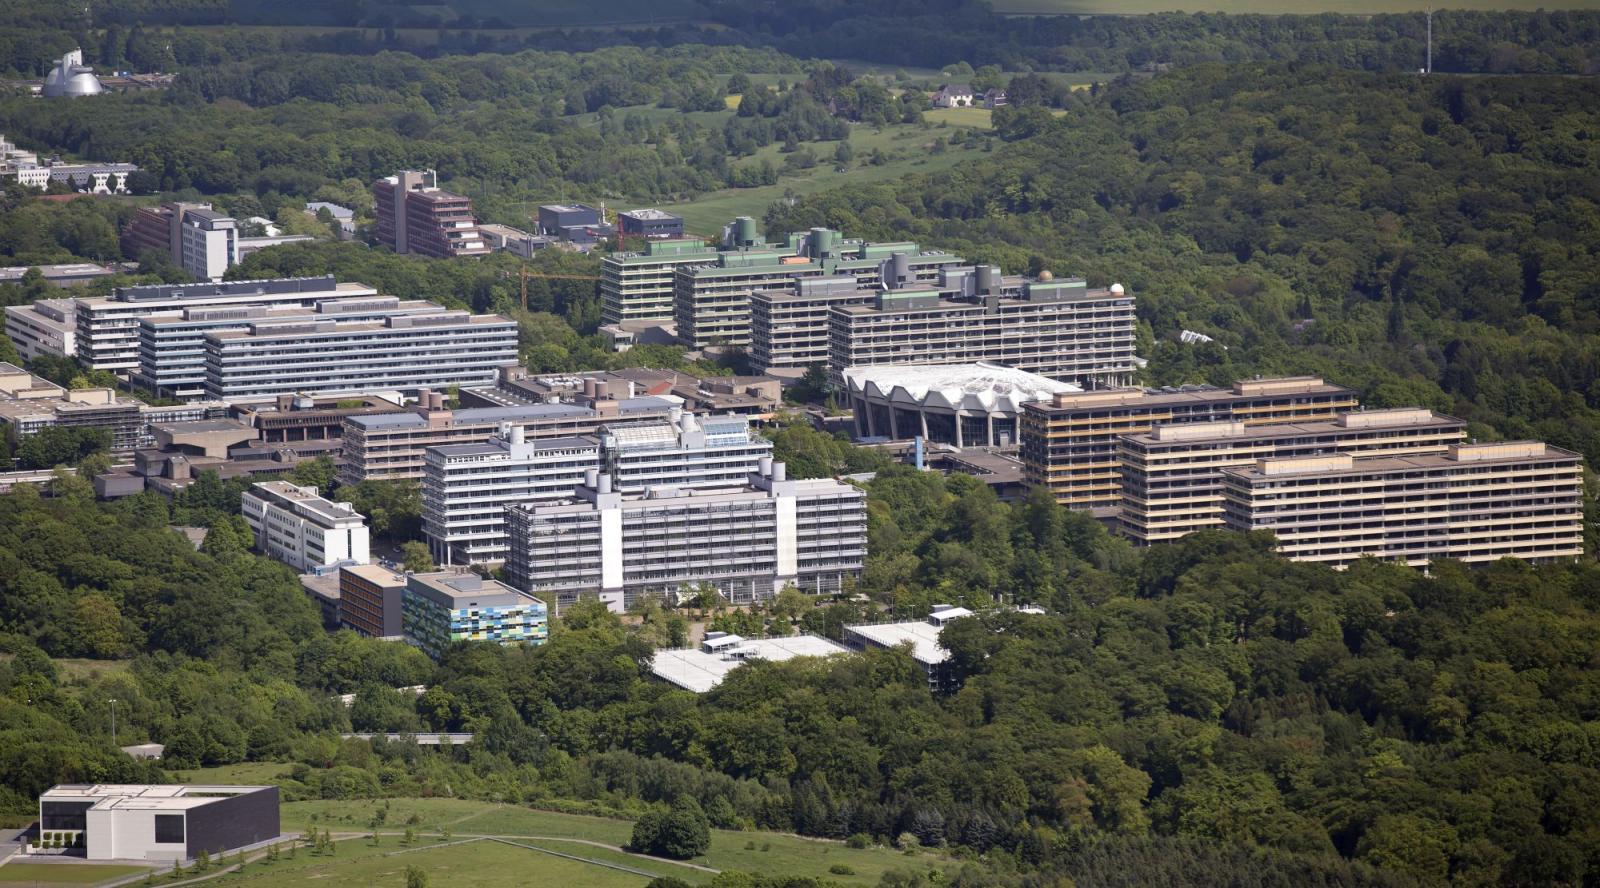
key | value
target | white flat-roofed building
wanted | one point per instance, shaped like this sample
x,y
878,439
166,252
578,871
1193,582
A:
x,y
160,823
407,352
703,668
303,530
685,451
466,488
30,404
68,274
921,635
962,404
208,243
747,541
1474,503
47,328
108,326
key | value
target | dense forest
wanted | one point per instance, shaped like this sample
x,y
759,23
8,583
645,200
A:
x,y
884,32
1431,241
1205,705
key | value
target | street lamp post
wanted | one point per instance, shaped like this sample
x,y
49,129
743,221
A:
x,y
113,702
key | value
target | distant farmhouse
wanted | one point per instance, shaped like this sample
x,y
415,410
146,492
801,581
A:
x,y
953,96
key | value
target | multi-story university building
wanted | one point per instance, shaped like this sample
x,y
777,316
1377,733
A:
x,y
303,530
391,446
415,215
443,607
466,487
172,348
1172,476
747,541
48,327
108,327
1069,443
427,348
1475,503
711,302
1055,328
200,240
637,287
371,600
30,404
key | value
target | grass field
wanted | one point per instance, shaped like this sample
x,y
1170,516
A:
x,y
982,118
1273,7
762,852
15,875
245,773
479,864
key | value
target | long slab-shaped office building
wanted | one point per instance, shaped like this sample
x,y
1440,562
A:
x,y
1172,476
1069,443
746,541
1475,503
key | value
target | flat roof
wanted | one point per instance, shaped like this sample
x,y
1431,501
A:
x,y
71,269
145,797
1103,399
467,587
1496,453
302,500
650,214
699,671
486,448
376,573
923,636
1293,429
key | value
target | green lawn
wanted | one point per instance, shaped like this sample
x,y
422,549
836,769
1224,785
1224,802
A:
x,y
978,117
708,213
478,864
1276,7
17,874
770,853
85,669
245,773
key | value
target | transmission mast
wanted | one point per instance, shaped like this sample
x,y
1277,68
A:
x,y
1428,67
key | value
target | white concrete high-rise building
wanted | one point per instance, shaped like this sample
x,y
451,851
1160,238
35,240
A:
x,y
747,541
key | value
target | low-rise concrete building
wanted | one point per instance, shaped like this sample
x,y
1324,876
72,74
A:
x,y
700,669
443,607
160,823
371,600
921,635
47,328
303,530
29,404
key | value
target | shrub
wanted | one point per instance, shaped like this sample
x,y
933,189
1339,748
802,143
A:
x,y
858,840
841,869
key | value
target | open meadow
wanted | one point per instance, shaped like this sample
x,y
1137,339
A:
x,y
17,874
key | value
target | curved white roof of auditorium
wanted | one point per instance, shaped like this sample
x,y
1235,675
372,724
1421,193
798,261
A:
x,y
980,386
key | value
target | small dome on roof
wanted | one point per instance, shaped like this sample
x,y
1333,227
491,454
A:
x,y
1116,290
1047,275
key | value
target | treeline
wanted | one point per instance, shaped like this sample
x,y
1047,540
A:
x,y
1407,236
886,32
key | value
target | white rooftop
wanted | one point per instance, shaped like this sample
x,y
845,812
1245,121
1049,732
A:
x,y
699,671
923,636
134,796
979,386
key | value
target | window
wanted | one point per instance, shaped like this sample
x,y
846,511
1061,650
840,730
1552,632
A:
x,y
169,829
